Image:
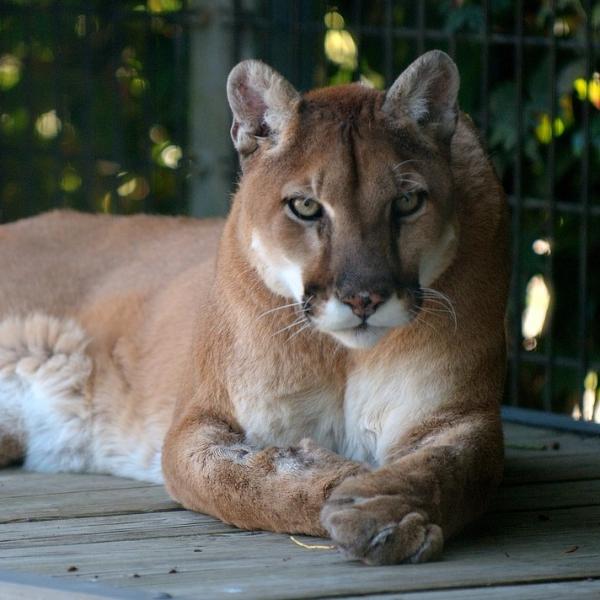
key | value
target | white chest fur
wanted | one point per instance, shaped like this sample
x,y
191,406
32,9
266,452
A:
x,y
383,403
285,419
378,405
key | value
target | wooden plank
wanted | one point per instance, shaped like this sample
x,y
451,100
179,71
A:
x,y
130,527
23,591
26,496
19,483
574,590
517,430
524,440
577,457
526,416
547,496
15,586
507,548
85,503
550,467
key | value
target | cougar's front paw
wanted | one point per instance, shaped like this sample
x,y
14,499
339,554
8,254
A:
x,y
380,530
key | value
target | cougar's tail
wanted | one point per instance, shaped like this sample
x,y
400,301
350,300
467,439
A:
x,y
45,410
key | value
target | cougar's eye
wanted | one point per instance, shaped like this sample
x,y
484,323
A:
x,y
409,203
305,208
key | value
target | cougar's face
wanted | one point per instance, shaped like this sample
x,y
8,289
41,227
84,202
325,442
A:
x,y
346,206
350,221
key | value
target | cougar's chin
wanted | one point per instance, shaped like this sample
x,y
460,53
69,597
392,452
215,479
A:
x,y
363,336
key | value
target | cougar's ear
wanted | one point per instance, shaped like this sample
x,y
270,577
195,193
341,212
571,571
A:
x,y
426,92
261,100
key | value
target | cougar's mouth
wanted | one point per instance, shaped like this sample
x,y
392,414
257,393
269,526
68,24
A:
x,y
336,319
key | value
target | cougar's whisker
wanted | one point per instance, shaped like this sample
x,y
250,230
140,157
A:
x,y
437,296
306,325
429,309
415,314
272,310
404,162
297,322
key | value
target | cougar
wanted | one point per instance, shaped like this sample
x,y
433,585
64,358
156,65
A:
x,y
329,360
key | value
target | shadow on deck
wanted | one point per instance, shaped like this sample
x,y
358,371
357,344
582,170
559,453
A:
x,y
83,536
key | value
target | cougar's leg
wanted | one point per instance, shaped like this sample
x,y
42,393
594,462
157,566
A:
x,y
208,468
427,490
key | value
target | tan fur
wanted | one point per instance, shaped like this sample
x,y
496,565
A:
x,y
406,441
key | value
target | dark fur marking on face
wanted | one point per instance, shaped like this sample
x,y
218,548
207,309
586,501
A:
x,y
348,130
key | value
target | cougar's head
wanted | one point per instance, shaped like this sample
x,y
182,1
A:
x,y
345,205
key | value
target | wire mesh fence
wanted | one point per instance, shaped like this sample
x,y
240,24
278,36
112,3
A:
x,y
95,114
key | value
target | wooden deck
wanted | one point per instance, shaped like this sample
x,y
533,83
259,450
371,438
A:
x,y
78,536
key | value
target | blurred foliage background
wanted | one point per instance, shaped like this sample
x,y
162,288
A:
x,y
96,111
89,104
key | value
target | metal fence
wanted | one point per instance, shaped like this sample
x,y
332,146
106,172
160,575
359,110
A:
x,y
95,113
92,106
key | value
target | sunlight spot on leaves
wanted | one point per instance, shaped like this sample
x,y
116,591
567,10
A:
x,y
10,71
340,48
48,125
70,180
537,302
541,247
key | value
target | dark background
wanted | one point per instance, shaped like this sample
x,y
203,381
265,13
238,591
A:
x,y
119,107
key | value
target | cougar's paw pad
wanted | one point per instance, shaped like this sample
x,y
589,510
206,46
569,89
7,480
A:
x,y
363,536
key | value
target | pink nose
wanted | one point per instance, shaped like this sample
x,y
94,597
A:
x,y
363,304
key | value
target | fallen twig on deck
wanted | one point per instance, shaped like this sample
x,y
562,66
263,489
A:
x,y
311,546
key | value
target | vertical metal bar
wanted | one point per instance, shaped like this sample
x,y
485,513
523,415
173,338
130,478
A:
x,y
585,212
58,85
180,130
388,54
296,37
516,215
88,112
155,113
421,24
485,70
26,171
452,42
3,164
307,41
268,34
551,176
117,129
236,46
236,56
149,100
452,45
357,27
321,32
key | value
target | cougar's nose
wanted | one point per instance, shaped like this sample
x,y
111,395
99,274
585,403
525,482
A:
x,y
363,304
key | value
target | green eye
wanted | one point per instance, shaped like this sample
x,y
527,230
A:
x,y
409,203
305,208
